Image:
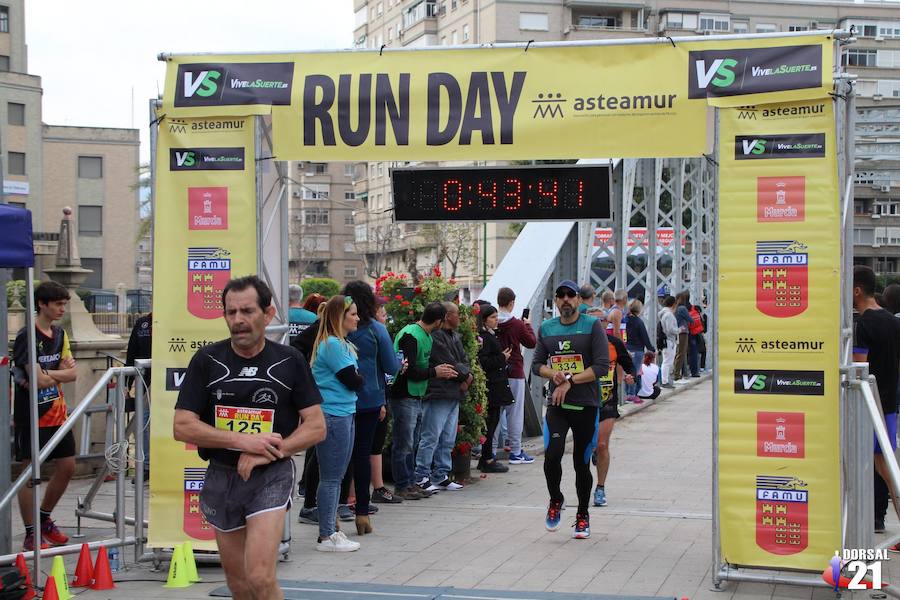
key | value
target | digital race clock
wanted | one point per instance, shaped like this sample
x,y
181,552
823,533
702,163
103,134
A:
x,y
506,193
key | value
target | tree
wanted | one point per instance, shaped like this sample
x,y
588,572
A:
x,y
456,243
378,244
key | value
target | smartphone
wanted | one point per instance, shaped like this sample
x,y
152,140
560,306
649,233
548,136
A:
x,y
525,312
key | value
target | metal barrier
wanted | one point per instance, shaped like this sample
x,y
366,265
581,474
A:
x,y
120,441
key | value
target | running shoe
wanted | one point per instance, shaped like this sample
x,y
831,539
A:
x,y
51,533
582,527
520,459
384,496
894,548
337,542
599,496
553,515
344,513
492,467
310,516
28,544
446,484
372,509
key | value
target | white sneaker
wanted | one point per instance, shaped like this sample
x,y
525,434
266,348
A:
x,y
446,484
337,542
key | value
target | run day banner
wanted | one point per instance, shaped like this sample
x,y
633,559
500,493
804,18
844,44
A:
x,y
204,233
540,102
779,331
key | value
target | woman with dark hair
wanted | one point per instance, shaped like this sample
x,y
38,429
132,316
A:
x,y
377,359
334,367
492,358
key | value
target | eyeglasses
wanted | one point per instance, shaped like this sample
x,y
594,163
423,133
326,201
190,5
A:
x,y
566,294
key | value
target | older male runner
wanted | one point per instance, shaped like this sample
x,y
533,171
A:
x,y
249,404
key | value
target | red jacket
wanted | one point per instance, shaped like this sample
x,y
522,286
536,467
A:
x,y
512,333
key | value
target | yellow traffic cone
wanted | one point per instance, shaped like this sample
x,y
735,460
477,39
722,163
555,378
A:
x,y
190,563
58,572
178,577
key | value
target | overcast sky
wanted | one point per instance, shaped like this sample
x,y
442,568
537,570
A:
x,y
91,54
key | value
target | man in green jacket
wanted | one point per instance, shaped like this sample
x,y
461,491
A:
x,y
414,341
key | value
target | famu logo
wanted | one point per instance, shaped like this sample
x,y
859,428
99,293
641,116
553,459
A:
x,y
783,383
210,84
739,72
206,159
792,145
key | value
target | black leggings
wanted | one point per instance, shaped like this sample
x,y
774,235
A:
x,y
584,425
360,467
493,420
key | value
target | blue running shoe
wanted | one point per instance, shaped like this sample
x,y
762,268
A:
x,y
599,496
582,528
520,459
553,515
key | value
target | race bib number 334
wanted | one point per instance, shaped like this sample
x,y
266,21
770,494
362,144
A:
x,y
245,420
573,363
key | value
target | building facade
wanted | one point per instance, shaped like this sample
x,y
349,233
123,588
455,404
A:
x,y
874,59
322,212
94,170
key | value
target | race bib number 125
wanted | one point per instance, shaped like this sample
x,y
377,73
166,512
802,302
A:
x,y
245,420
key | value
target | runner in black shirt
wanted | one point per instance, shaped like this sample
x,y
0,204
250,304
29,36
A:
x,y
876,340
249,404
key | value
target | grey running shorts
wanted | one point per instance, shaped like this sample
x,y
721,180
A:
x,y
227,501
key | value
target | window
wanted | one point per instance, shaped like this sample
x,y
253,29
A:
x,y
348,219
4,19
677,20
94,280
349,271
360,17
869,30
316,168
90,220
315,216
349,196
718,23
454,38
390,31
886,87
453,4
766,28
888,58
889,30
740,27
315,191
15,113
348,246
532,22
318,267
360,234
4,63
90,167
860,58
466,33
381,169
379,9
418,12
798,28
863,236
18,204
597,21
443,40
349,170
16,164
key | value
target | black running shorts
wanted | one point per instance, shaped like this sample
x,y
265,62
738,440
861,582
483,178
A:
x,y
64,449
227,501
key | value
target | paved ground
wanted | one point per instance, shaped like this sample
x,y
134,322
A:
x,y
653,539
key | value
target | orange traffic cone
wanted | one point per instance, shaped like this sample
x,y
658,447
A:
x,y
84,570
102,574
50,592
22,566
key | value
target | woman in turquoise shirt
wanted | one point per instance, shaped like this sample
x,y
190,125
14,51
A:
x,y
334,367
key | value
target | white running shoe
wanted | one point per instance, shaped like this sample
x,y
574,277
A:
x,y
337,542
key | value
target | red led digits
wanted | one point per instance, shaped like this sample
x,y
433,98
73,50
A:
x,y
490,194
549,192
455,204
516,194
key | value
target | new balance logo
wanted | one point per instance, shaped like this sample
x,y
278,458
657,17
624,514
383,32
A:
x,y
248,372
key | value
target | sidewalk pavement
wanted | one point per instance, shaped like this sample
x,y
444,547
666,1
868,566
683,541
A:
x,y
653,538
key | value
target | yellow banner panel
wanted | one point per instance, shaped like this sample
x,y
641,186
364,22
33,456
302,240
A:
x,y
779,332
204,234
545,102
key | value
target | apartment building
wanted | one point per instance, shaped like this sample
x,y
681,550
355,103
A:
x,y
874,59
46,167
322,210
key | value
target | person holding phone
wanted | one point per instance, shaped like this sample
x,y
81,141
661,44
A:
x,y
514,333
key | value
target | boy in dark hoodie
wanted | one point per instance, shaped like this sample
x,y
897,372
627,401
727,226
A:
x,y
514,333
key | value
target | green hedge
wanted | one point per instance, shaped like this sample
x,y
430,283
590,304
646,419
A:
x,y
320,285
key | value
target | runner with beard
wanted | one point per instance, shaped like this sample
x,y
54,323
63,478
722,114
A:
x,y
576,347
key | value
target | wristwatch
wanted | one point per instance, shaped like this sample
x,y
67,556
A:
x,y
569,377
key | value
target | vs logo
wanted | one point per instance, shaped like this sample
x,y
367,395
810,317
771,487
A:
x,y
754,382
565,346
754,146
204,84
720,73
187,158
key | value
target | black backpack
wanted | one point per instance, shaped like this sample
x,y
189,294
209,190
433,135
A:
x,y
660,336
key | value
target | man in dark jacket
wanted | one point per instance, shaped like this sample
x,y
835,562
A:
x,y
139,346
514,333
440,409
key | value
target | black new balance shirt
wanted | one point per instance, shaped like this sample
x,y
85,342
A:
x,y
263,394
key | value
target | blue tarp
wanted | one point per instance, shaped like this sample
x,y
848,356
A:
x,y
16,245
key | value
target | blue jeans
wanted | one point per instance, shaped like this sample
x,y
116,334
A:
x,y
439,420
637,357
334,455
406,413
693,358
